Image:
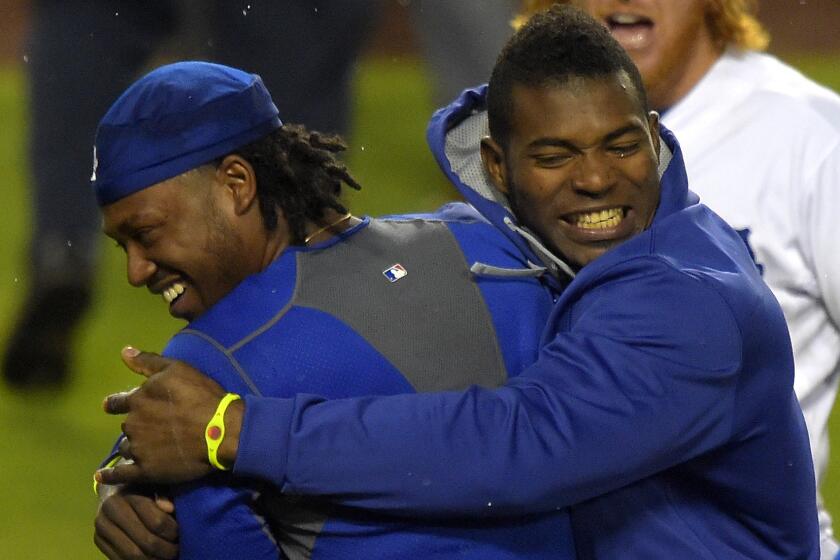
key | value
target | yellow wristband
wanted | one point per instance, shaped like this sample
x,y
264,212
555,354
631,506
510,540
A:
x,y
214,433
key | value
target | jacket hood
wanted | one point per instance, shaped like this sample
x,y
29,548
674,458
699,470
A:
x,y
454,135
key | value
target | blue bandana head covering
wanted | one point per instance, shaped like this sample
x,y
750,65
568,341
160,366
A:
x,y
174,119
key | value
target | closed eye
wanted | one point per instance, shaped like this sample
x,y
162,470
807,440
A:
x,y
624,150
145,236
551,160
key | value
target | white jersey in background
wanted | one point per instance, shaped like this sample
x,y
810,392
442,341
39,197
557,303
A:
x,y
762,149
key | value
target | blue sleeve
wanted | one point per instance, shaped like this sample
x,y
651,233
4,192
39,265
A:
x,y
451,211
216,517
638,375
218,521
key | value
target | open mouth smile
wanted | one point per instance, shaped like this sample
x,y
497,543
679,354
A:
x,y
173,292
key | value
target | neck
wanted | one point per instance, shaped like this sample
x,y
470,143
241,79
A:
x,y
276,242
279,239
330,224
667,90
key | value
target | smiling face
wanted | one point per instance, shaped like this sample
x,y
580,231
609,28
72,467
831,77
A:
x,y
180,241
670,41
580,164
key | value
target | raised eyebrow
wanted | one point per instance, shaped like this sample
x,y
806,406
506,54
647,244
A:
x,y
548,142
615,134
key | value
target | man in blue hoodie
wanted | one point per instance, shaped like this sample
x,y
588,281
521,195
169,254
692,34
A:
x,y
661,408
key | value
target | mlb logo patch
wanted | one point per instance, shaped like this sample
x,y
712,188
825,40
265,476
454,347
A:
x,y
395,273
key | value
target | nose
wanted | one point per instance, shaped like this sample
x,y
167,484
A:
x,y
139,269
592,175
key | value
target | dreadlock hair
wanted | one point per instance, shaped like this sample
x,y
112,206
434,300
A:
x,y
298,172
550,49
731,22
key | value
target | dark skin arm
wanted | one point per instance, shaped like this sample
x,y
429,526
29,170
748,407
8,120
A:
x,y
165,421
132,523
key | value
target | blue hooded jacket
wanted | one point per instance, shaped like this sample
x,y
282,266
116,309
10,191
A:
x,y
660,410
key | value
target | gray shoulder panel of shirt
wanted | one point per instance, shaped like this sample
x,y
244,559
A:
x,y
405,286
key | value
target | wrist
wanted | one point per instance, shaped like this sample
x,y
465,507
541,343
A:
x,y
233,424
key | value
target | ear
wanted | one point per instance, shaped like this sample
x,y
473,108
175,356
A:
x,y
239,181
653,125
493,158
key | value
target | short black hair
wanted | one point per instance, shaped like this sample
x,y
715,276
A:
x,y
552,47
298,171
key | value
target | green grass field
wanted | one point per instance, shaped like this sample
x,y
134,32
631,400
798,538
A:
x,y
51,442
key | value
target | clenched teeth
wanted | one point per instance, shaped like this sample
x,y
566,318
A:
x,y
605,219
171,293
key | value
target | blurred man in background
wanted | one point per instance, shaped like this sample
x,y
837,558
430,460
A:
x,y
762,149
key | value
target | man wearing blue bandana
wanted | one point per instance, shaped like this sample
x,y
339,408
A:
x,y
235,221
660,410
